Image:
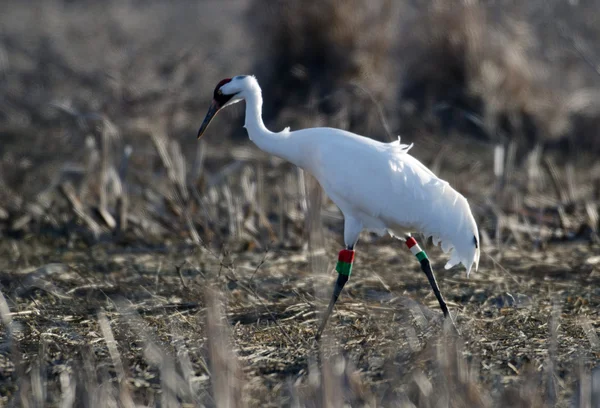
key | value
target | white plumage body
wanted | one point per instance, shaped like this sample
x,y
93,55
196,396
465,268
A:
x,y
381,188
378,186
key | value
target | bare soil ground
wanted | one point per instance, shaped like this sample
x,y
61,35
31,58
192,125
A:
x,y
528,327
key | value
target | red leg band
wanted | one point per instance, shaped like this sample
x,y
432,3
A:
x,y
346,255
411,242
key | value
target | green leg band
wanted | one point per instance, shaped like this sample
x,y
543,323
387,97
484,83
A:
x,y
421,255
344,268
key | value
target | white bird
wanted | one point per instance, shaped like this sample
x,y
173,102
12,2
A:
x,y
379,187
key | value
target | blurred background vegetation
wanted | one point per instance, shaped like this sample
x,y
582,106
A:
x,y
100,103
90,91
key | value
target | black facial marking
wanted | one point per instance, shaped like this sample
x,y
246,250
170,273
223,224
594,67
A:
x,y
219,96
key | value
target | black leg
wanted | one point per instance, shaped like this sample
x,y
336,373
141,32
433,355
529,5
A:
x,y
337,289
426,267
344,268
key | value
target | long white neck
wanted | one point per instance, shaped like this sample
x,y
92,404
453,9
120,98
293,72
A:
x,y
283,144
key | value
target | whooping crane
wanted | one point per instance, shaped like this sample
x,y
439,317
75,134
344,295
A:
x,y
379,187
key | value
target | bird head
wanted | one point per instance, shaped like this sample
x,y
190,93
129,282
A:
x,y
227,92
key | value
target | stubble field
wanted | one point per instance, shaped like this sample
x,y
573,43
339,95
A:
x,y
141,267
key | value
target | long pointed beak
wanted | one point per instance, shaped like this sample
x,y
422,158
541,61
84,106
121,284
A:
x,y
212,111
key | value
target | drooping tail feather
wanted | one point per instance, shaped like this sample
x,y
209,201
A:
x,y
454,228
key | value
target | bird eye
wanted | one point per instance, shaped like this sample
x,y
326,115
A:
x,y
219,92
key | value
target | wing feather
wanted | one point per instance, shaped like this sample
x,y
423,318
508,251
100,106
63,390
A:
x,y
383,185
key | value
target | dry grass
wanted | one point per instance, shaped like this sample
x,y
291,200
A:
x,y
483,69
325,61
138,266
113,326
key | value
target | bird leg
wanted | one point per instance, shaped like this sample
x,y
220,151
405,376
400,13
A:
x,y
344,269
414,247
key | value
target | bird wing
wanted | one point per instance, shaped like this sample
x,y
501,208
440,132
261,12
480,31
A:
x,y
381,183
